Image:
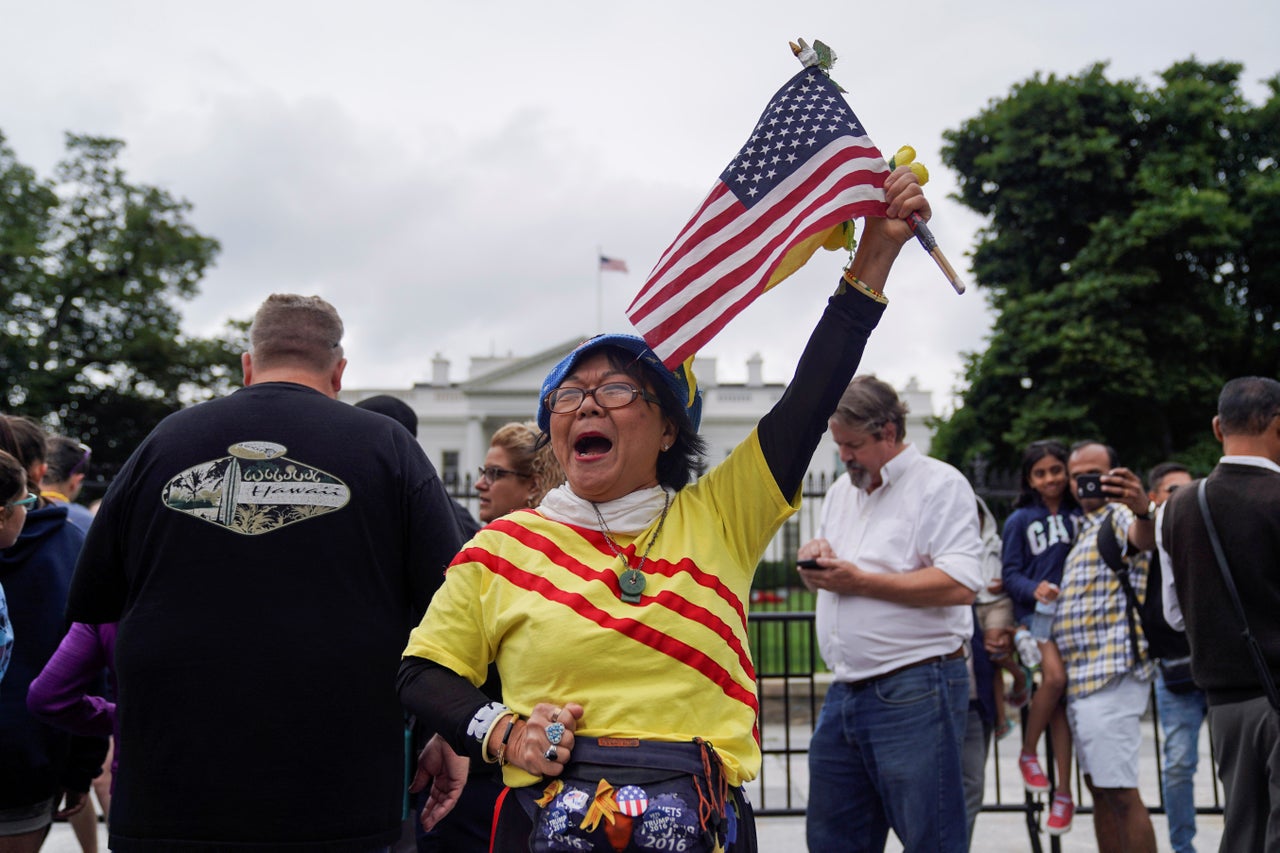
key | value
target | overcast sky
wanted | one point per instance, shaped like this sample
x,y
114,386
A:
x,y
444,172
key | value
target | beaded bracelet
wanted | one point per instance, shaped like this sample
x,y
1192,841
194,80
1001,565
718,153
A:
x,y
864,288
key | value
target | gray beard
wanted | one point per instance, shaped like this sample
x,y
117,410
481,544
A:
x,y
861,477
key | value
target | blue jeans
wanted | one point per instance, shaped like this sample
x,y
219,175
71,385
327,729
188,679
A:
x,y
1181,715
886,755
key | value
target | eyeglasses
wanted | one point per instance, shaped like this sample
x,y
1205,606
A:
x,y
27,502
493,473
611,395
85,453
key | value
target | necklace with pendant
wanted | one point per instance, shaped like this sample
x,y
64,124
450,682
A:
x,y
632,581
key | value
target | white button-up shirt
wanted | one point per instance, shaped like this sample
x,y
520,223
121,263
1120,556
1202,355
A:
x,y
923,514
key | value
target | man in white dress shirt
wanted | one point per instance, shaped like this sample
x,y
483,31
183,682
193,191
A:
x,y
897,560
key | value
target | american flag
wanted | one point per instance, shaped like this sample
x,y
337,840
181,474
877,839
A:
x,y
612,265
807,167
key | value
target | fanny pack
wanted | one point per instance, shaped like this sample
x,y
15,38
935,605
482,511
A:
x,y
630,795
1176,674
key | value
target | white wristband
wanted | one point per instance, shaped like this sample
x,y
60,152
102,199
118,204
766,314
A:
x,y
484,719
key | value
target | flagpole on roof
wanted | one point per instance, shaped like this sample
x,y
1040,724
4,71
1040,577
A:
x,y
599,292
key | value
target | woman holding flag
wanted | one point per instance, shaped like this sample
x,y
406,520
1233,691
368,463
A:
x,y
616,610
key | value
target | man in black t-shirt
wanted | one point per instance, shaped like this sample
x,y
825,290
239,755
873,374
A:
x,y
265,555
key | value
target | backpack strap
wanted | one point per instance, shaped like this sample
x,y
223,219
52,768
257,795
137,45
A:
x,y
1109,550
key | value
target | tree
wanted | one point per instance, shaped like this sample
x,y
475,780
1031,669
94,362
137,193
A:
x,y
1130,257
92,269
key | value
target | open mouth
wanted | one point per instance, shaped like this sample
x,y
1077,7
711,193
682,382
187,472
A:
x,y
591,445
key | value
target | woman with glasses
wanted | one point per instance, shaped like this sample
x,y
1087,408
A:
x,y
617,612
14,501
42,764
517,471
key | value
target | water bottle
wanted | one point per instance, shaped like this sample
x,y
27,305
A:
x,y
1027,647
1042,620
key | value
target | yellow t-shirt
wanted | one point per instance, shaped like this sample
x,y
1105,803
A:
x,y
542,599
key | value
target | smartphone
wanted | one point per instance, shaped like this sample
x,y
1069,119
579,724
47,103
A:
x,y
1089,486
810,564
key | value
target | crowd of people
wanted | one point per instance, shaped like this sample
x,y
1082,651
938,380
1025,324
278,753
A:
x,y
1095,592
277,614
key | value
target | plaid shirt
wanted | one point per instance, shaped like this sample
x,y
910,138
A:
x,y
1092,628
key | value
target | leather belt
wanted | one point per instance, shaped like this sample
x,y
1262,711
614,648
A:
x,y
863,682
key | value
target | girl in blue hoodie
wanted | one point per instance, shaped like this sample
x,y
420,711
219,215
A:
x,y
1037,538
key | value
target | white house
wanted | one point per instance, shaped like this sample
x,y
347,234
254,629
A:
x,y
456,418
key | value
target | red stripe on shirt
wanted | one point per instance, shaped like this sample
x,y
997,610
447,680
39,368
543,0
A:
x,y
630,628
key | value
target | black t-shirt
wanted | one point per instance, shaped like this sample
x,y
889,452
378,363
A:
x,y
265,555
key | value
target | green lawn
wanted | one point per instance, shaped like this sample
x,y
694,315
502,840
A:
x,y
782,642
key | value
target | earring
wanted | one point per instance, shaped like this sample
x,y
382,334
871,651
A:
x,y
665,448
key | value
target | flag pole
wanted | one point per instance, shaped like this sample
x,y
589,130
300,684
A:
x,y
599,292
824,57
926,238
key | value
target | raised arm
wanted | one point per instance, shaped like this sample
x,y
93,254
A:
x,y
790,432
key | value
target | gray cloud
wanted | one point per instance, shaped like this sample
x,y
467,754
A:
x,y
445,174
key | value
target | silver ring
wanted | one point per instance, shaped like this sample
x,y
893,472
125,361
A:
x,y
555,715
555,732
550,754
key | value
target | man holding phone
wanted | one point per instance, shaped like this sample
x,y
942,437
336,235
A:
x,y
1108,666
896,568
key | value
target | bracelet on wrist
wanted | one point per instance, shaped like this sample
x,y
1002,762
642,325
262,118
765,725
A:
x,y
506,736
865,289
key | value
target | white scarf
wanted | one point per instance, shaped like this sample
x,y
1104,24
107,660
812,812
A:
x,y
626,516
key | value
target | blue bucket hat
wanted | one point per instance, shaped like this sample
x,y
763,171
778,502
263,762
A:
x,y
681,381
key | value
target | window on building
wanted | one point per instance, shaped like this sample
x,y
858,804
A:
x,y
449,468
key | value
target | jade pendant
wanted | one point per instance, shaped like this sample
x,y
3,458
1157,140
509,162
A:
x,y
632,583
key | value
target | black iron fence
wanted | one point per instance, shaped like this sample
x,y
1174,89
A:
x,y
792,680
791,685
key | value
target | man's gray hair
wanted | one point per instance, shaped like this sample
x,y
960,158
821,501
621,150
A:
x,y
1248,405
868,404
298,331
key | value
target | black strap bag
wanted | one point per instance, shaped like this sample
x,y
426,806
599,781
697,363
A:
x,y
1251,642
1109,550
1168,646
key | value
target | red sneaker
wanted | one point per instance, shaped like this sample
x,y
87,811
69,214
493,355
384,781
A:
x,y
1060,814
1032,776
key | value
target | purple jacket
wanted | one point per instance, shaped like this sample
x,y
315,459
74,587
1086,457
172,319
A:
x,y
58,695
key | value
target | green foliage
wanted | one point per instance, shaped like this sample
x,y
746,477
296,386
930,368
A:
x,y
92,269
785,646
1132,257
774,574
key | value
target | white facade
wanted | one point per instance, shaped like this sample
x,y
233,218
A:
x,y
456,418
